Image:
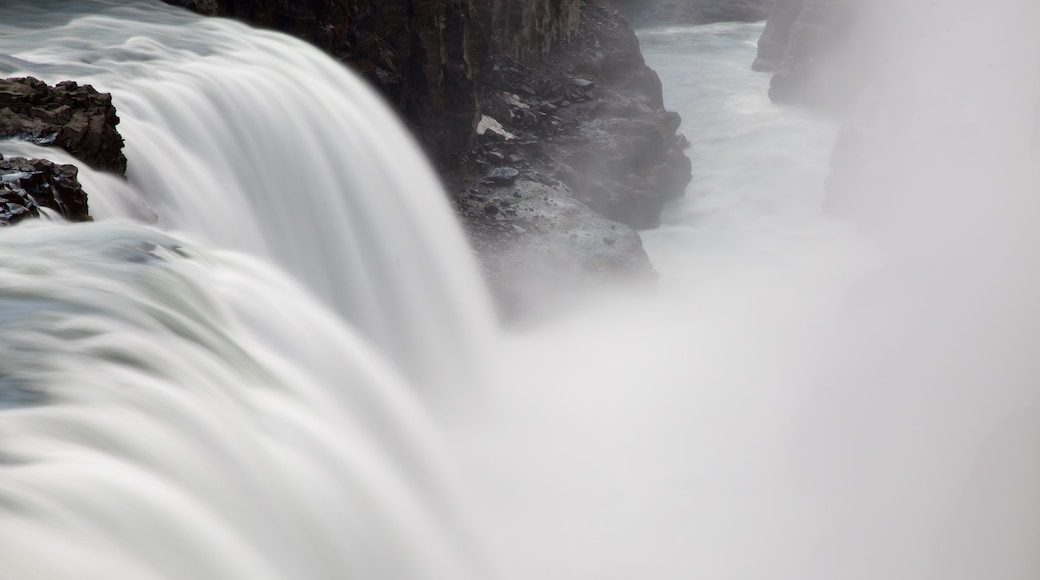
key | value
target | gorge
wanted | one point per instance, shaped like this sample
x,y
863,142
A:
x,y
271,352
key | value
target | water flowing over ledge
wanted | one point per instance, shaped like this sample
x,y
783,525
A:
x,y
256,141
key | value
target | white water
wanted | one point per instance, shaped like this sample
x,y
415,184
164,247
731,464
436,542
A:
x,y
796,400
183,423
181,412
256,141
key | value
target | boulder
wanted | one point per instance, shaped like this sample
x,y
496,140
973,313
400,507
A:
x,y
74,117
29,185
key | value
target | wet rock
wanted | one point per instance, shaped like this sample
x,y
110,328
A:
x,y
29,185
502,176
74,117
491,128
544,245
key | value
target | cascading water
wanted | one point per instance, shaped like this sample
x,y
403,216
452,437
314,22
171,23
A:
x,y
172,419
256,141
176,412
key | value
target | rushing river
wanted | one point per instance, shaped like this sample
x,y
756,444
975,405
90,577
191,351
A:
x,y
265,382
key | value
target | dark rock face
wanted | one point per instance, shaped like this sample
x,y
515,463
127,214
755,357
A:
x,y
693,11
616,147
27,185
804,44
597,157
76,118
530,30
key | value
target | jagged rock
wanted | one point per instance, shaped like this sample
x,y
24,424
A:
x,y
540,242
490,127
594,170
502,176
74,117
693,11
27,185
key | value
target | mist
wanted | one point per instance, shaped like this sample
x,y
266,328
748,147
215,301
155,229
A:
x,y
836,376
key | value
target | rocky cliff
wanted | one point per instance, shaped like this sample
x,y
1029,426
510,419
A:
x,y
542,115
650,12
577,152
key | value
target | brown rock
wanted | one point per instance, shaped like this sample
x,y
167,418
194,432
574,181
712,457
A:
x,y
74,117
27,185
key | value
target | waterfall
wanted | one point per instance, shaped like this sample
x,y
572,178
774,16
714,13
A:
x,y
169,409
243,388
172,418
256,141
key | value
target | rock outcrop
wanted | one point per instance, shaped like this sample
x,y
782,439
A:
x,y
651,12
28,185
74,117
595,156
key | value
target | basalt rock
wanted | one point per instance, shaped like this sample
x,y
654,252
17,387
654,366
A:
x,y
651,12
597,155
29,185
74,117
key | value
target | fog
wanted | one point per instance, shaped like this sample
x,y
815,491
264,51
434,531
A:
x,y
836,377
